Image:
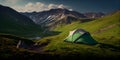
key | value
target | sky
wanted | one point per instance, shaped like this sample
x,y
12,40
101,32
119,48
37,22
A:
x,y
73,5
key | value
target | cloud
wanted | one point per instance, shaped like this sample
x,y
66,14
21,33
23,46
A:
x,y
71,9
11,1
61,6
38,6
52,6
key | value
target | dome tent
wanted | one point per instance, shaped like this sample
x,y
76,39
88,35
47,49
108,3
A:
x,y
80,36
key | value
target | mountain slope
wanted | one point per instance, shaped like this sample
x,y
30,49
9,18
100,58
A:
x,y
14,23
105,30
53,16
94,15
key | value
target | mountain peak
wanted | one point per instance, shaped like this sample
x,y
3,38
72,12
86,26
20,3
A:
x,y
54,16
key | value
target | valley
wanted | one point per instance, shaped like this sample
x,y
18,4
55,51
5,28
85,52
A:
x,y
40,35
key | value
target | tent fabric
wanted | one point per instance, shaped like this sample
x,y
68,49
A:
x,y
80,36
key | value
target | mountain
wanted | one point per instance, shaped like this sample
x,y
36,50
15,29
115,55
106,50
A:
x,y
15,23
94,14
105,31
54,16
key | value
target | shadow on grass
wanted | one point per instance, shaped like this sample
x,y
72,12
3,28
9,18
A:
x,y
109,46
9,36
56,57
50,33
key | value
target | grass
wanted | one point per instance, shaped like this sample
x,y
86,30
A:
x,y
107,35
12,22
105,30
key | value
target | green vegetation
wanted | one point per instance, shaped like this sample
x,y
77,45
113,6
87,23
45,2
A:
x,y
105,30
9,26
8,45
12,22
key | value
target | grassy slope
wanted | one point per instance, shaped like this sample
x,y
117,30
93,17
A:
x,y
9,26
8,45
8,50
105,30
12,22
16,29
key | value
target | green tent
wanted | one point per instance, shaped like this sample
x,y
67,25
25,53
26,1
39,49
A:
x,y
80,36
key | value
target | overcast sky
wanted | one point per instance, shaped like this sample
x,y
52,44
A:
x,y
77,5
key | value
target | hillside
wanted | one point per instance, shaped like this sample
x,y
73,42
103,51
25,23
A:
x,y
105,30
9,50
12,22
